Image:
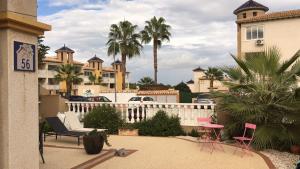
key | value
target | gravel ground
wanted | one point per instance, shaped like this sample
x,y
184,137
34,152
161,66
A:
x,y
282,160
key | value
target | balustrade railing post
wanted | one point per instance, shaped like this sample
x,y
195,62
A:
x,y
135,112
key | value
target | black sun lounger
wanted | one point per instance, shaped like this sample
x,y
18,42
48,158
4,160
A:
x,y
60,129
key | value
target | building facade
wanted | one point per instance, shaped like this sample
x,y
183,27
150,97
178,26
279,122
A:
x,y
201,84
258,29
104,76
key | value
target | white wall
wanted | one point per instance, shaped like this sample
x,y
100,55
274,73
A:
x,y
164,98
121,97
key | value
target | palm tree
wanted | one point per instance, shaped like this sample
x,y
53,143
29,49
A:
x,y
213,74
145,81
123,39
263,92
70,74
158,31
92,78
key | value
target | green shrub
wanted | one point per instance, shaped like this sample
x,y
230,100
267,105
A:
x,y
47,128
160,125
193,133
185,95
105,117
297,94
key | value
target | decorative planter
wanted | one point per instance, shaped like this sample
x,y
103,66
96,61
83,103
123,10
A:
x,y
128,132
295,149
93,144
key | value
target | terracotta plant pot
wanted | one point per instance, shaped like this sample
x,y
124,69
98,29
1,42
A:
x,y
128,132
295,149
93,144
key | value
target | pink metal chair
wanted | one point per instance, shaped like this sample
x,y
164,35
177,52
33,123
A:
x,y
202,121
203,132
245,141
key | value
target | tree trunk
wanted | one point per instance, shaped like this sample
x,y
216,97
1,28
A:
x,y
155,59
69,89
123,71
211,84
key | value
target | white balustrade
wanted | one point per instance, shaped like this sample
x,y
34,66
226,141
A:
x,y
135,112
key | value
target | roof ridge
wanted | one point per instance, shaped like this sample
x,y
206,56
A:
x,y
250,4
272,16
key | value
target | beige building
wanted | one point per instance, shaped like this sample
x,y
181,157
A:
x,y
201,84
257,29
94,66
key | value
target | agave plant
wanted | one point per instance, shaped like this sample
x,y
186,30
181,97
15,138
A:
x,y
263,92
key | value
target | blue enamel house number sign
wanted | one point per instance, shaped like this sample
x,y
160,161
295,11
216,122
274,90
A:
x,y
24,57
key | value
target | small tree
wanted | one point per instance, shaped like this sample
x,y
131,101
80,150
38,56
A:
x,y
145,81
105,117
213,74
70,74
42,50
92,78
185,93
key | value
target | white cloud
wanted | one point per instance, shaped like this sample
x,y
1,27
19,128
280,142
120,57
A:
x,y
203,31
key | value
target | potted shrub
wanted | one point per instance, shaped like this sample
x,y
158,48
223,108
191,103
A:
x,y
93,141
128,129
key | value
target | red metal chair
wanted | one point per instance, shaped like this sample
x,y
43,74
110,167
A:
x,y
202,121
203,132
245,141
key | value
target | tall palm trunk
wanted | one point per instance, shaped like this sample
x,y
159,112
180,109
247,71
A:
x,y
211,86
69,89
155,59
123,71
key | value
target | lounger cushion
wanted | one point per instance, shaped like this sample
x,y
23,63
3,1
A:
x,y
62,118
87,129
73,121
75,124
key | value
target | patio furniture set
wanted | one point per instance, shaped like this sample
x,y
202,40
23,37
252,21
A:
x,y
66,124
211,134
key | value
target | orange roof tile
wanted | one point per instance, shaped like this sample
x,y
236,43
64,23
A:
x,y
272,16
56,60
77,62
51,59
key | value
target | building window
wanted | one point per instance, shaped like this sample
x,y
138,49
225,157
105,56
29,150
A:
x,y
105,75
244,15
52,67
93,64
111,86
112,75
254,32
87,73
52,81
254,13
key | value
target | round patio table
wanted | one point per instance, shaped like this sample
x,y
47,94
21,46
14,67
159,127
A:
x,y
212,128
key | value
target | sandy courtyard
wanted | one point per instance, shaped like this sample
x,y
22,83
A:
x,y
153,153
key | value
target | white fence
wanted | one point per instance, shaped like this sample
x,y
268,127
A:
x,y
133,112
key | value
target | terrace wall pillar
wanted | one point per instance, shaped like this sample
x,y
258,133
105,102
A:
x,y
19,84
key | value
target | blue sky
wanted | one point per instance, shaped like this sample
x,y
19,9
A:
x,y
203,31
